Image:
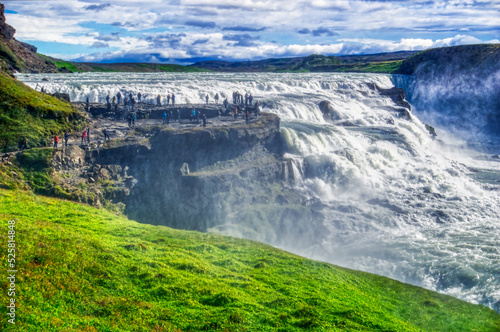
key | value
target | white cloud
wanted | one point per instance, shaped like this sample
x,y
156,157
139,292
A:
x,y
362,26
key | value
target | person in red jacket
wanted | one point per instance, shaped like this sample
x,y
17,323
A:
x,y
56,140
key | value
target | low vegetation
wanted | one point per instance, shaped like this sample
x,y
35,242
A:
x,y
85,269
25,113
76,67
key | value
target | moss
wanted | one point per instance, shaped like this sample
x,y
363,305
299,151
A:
x,y
25,113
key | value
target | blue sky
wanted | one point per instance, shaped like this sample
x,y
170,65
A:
x,y
185,31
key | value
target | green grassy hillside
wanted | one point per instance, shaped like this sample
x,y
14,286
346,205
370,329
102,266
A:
x,y
31,114
67,66
84,269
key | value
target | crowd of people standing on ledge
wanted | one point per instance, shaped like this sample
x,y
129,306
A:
x,y
130,100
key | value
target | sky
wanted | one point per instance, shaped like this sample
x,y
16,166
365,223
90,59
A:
x,y
187,31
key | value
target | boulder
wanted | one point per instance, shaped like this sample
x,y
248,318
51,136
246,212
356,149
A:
x,y
329,113
397,95
62,96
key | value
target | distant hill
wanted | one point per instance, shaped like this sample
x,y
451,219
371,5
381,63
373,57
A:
x,y
376,63
70,67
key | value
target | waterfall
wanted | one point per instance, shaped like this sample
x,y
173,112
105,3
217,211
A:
x,y
395,201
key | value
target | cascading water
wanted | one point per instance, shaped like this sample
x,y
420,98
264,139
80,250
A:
x,y
395,201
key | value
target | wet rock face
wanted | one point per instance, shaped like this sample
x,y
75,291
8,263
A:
x,y
329,113
232,180
5,30
397,95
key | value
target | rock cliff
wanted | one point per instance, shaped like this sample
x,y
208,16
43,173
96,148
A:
x,y
17,56
230,179
457,88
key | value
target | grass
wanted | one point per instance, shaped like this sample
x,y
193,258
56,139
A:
x,y
85,269
61,64
171,68
31,114
387,67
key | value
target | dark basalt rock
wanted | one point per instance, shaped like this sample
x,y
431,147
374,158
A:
x,y
5,30
62,96
397,95
329,113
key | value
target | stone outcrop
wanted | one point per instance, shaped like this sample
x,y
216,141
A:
x,y
18,56
329,113
6,30
62,96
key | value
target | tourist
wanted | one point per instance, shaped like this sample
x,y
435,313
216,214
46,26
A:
x,y
88,134
133,119
66,138
225,102
164,118
106,136
119,97
168,99
139,96
84,135
250,98
216,98
173,99
204,119
158,100
235,113
56,140
132,102
206,98
24,144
